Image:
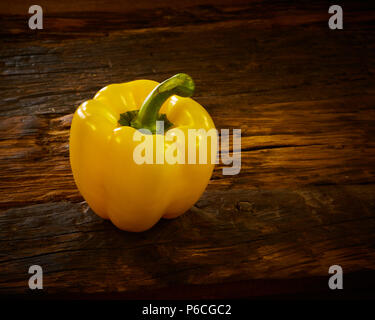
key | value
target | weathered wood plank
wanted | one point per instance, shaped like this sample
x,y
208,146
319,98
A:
x,y
249,56
297,143
228,236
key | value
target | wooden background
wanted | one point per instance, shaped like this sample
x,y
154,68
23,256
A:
x,y
302,94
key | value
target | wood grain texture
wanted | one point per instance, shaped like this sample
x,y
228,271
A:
x,y
303,96
228,236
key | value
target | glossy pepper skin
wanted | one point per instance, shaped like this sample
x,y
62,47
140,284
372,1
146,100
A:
x,y
134,196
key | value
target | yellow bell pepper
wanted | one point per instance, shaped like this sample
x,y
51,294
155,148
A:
x,y
135,196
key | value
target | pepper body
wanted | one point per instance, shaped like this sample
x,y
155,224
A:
x,y
135,196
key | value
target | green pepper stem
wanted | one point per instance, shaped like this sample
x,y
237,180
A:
x,y
180,84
